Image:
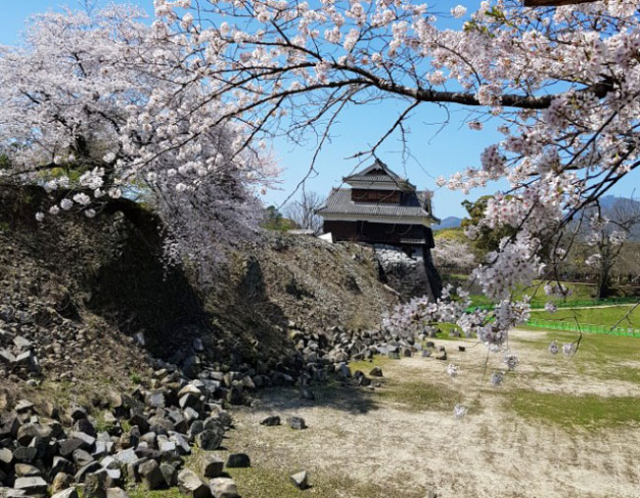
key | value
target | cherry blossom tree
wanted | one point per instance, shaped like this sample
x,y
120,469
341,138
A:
x,y
96,105
451,253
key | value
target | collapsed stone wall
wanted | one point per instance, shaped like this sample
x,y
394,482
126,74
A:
x,y
72,284
112,367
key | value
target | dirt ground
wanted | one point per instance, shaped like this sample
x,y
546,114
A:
x,y
401,439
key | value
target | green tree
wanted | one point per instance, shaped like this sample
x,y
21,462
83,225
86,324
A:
x,y
273,220
488,238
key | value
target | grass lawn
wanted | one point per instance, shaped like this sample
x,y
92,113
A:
x,y
419,396
605,316
601,358
445,329
595,349
604,357
412,394
141,491
365,366
481,300
269,482
573,410
579,292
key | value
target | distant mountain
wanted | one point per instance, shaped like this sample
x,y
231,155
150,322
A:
x,y
448,222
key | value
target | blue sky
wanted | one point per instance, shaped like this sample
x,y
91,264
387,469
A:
x,y
434,153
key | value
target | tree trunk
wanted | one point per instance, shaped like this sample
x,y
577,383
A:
x,y
604,289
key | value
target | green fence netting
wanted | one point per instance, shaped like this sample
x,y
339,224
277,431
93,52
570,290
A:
x,y
583,327
571,304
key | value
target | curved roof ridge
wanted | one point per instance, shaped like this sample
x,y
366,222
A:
x,y
388,176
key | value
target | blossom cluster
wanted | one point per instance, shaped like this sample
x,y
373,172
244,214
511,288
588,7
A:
x,y
452,253
411,318
516,262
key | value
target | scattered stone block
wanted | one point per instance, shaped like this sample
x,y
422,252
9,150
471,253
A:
x,y
169,473
82,458
238,460
24,406
211,466
61,482
6,457
376,372
25,454
271,421
299,480
151,474
209,439
191,485
95,486
32,486
61,465
86,470
126,457
297,423
116,493
223,487
77,412
68,446
26,470
67,493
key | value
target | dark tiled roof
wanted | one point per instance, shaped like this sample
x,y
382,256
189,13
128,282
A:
x,y
368,178
375,179
379,173
339,202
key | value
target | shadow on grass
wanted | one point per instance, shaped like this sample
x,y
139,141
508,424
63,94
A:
x,y
407,395
333,394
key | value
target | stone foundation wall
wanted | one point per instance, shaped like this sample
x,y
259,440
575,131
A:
x,y
410,276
